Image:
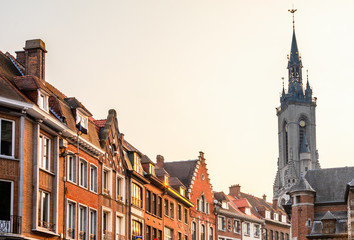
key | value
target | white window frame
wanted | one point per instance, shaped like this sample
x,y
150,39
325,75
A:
x,y
108,190
80,174
90,223
109,223
73,220
209,233
41,212
248,211
42,164
283,218
121,183
43,104
168,237
235,229
276,217
70,168
122,227
267,214
222,226
82,119
81,206
13,138
93,179
256,233
247,231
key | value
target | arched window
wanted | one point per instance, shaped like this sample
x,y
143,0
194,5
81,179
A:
x,y
202,203
202,233
194,231
211,233
286,143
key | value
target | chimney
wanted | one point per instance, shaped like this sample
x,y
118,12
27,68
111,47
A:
x,y
21,57
235,190
275,203
160,161
264,197
34,58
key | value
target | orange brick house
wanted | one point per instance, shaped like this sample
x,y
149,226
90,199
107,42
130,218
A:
x,y
194,175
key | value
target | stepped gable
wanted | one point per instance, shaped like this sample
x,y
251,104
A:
x,y
183,170
330,184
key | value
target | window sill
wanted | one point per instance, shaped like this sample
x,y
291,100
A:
x,y
9,157
69,181
44,230
93,192
83,187
47,171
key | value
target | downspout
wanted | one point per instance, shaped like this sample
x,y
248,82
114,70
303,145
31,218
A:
x,y
21,158
64,202
129,206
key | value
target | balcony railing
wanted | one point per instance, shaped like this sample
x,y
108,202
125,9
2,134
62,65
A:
x,y
136,202
120,236
71,233
92,236
107,235
13,225
82,235
48,225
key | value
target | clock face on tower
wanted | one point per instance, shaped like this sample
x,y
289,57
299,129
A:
x,y
302,123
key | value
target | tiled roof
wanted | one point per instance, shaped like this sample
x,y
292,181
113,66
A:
x,y
241,203
330,183
100,123
182,169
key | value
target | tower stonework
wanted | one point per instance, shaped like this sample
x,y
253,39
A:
x,y
296,129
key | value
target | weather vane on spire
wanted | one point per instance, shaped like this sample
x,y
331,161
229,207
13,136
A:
x,y
292,11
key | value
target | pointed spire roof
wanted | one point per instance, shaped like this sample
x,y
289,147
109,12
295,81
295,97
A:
x,y
294,52
304,145
302,186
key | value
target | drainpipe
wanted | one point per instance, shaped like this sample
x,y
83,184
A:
x,y
21,158
129,206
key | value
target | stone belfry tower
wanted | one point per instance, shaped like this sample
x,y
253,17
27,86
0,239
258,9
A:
x,y
296,128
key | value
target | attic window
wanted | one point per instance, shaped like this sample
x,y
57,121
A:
x,y
182,191
137,164
248,211
43,101
276,216
267,214
81,122
166,180
329,226
152,169
283,218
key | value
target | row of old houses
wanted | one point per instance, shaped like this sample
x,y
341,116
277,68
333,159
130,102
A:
x,y
66,175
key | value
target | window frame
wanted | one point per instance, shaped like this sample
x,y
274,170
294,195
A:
x,y
222,226
90,229
95,189
81,206
41,210
41,141
12,138
107,191
69,169
73,219
85,174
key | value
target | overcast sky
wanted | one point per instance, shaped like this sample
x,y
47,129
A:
x,y
198,75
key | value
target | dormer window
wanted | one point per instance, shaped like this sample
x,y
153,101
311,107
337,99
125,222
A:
x,y
267,214
152,169
81,122
137,164
182,191
165,180
276,217
248,211
43,101
283,218
329,226
224,205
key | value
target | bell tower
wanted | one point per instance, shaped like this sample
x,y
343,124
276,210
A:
x,y
296,127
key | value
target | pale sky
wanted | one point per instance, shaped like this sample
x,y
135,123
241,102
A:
x,y
198,75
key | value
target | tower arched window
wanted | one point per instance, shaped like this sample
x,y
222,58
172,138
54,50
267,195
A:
x,y
286,143
211,233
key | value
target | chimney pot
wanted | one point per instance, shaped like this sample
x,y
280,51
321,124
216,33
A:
x,y
160,161
264,197
275,203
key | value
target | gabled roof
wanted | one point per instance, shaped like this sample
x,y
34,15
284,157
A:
x,y
328,216
182,169
330,184
242,203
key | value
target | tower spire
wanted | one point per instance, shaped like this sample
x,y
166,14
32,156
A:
x,y
292,11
